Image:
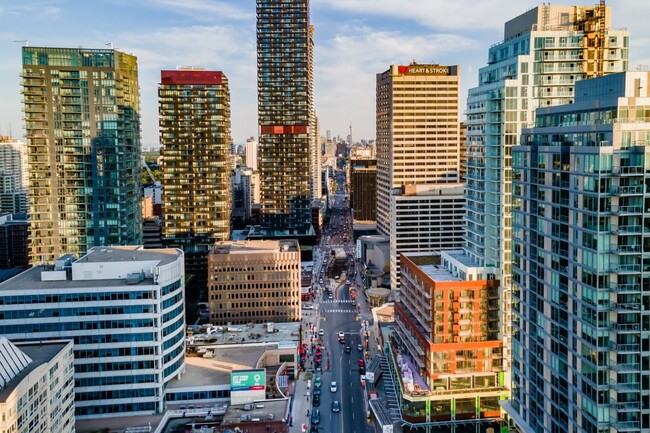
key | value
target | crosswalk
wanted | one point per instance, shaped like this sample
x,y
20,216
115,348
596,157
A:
x,y
338,310
334,301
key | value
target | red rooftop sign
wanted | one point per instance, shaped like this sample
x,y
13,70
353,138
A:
x,y
191,77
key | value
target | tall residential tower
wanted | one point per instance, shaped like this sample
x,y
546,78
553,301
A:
x,y
286,115
195,137
545,51
581,257
83,145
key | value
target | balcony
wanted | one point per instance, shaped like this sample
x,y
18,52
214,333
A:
x,y
629,367
625,249
628,170
627,210
627,190
626,426
625,327
625,348
625,268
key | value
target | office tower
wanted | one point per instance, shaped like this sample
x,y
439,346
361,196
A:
x,y
286,116
13,241
254,281
251,154
448,351
418,160
13,176
580,257
36,387
250,182
195,138
363,189
124,309
83,145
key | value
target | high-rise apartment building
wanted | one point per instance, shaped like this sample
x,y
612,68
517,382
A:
x,y
254,281
124,309
544,52
418,150
13,176
83,146
581,256
195,138
286,115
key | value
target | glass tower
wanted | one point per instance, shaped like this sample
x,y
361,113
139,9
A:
x,y
286,117
195,138
83,145
545,51
581,262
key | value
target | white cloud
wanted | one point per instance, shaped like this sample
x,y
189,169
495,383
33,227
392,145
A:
x,y
22,8
206,10
347,64
439,14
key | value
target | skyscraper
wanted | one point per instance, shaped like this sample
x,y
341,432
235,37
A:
x,y
83,144
581,216
419,198
544,52
13,176
195,138
286,115
251,154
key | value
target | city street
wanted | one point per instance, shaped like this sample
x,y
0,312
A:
x,y
337,314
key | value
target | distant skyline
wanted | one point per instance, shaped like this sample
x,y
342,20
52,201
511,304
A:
x,y
355,39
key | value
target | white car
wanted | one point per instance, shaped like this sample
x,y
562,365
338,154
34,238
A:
x,y
341,334
321,332
333,386
308,307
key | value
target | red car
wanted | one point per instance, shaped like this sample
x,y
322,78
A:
x,y
362,363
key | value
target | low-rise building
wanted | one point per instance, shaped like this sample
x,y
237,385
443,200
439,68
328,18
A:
x,y
254,281
36,387
124,309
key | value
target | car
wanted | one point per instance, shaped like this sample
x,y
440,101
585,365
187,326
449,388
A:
x,y
330,296
361,363
342,340
333,386
315,417
316,400
308,307
348,282
341,334
336,406
359,348
317,382
321,332
348,349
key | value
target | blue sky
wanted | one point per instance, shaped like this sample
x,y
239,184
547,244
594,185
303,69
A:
x,y
355,39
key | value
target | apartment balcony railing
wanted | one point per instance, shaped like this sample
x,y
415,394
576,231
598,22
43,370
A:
x,y
625,327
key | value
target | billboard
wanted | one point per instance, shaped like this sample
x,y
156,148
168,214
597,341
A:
x,y
248,380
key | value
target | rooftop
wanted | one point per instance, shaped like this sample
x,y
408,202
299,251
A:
x,y
261,410
462,258
164,256
430,265
256,246
247,335
38,353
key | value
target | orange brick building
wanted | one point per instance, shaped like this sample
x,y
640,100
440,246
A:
x,y
448,350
